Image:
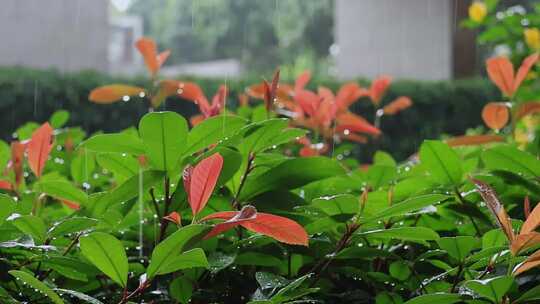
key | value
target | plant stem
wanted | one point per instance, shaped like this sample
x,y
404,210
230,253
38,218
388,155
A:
x,y
249,168
168,201
343,242
456,279
464,202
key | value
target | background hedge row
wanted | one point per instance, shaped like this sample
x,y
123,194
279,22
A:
x,y
445,107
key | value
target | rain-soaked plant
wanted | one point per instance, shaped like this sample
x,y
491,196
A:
x,y
220,212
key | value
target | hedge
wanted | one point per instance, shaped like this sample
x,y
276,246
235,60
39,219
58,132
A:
x,y
442,107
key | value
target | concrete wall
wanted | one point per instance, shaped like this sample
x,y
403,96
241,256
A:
x,y
66,34
403,38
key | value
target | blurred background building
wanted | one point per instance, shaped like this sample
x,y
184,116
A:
x,y
416,39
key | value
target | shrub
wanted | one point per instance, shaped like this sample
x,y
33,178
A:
x,y
440,107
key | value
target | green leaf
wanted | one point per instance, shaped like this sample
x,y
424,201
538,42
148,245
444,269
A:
x,y
79,295
257,259
219,261
33,226
532,294
36,284
457,247
169,249
7,207
266,134
82,166
404,233
293,291
380,175
211,130
439,298
181,290
442,162
407,206
108,254
384,159
127,190
189,259
337,204
511,159
72,225
115,143
493,238
164,135
292,174
400,270
268,280
493,288
61,189
59,119
121,165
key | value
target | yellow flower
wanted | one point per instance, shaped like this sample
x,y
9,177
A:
x,y
532,38
477,11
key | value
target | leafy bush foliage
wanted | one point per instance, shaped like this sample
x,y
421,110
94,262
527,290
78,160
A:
x,y
267,206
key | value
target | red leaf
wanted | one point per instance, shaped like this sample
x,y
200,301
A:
x,y
523,70
302,81
173,217
279,228
148,49
308,101
5,185
472,140
202,180
400,104
39,147
16,163
233,219
378,88
501,72
495,115
113,93
71,205
353,122
527,108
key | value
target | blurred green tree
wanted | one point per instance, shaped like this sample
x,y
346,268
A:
x,y
262,34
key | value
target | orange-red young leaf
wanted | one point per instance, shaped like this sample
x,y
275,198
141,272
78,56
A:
x,y
114,92
243,99
501,72
533,219
523,70
173,217
526,109
279,228
17,158
398,105
302,81
148,49
495,115
352,122
496,207
232,219
378,88
202,181
71,205
39,147
524,241
196,119
526,206
308,101
473,140
531,262
191,91
348,94
5,185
